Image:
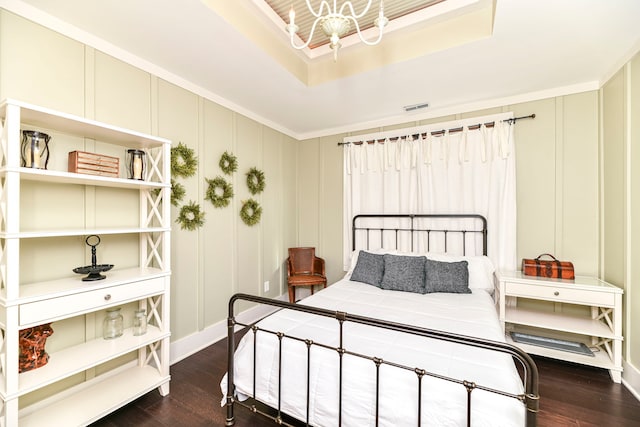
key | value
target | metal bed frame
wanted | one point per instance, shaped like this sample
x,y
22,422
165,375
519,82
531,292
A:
x,y
411,226
529,372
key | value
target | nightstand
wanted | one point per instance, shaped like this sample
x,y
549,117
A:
x,y
586,310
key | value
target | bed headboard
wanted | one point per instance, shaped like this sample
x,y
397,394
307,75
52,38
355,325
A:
x,y
459,234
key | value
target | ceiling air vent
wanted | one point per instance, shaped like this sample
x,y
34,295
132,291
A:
x,y
414,107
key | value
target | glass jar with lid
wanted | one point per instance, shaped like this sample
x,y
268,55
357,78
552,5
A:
x,y
113,324
140,322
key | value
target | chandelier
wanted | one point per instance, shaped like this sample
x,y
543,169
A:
x,y
335,24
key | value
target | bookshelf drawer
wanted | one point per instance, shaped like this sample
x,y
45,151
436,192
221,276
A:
x,y
45,311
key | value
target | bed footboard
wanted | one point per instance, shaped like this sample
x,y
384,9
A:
x,y
529,398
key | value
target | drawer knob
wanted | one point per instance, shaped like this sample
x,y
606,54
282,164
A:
x,y
556,293
107,297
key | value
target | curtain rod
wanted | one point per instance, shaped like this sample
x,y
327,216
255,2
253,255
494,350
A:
x,y
441,132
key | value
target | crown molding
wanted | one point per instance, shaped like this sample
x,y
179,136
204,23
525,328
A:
x,y
454,109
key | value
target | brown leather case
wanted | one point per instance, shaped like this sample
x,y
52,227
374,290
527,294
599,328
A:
x,y
548,268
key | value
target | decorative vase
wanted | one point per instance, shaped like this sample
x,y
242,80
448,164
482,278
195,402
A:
x,y
32,352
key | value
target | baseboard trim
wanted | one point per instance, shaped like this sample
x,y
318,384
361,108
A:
x,y
185,347
631,378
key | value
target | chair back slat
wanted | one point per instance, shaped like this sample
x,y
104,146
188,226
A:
x,y
302,260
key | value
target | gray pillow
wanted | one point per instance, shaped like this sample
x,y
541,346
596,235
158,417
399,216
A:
x,y
449,277
369,269
403,273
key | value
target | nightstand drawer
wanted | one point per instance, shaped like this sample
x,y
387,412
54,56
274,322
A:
x,y
560,294
45,311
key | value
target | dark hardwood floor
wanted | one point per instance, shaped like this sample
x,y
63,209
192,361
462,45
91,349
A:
x,y
571,395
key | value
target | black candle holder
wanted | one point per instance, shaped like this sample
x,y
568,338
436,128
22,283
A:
x,y
94,269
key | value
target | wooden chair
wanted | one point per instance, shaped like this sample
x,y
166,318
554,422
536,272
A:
x,y
304,268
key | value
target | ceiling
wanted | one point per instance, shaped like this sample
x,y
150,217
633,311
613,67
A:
x,y
233,53
393,9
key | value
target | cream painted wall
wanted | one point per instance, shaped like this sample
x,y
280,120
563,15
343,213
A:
x,y
633,288
557,180
331,205
178,120
621,196
614,169
53,77
309,179
218,137
249,239
290,201
122,94
208,265
320,194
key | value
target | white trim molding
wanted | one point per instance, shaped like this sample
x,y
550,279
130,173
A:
x,y
435,112
189,345
631,378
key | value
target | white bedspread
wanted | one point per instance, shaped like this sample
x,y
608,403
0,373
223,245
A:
x,y
443,403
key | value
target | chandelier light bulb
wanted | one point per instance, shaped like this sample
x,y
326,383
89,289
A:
x,y
335,23
381,21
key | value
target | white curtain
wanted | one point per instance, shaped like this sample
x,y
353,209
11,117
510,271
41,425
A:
x,y
468,172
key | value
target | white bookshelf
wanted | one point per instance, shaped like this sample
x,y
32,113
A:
x,y
25,304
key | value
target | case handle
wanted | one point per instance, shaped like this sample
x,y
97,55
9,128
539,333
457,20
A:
x,y
540,256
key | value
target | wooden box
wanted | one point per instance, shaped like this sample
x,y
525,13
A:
x,y
548,268
94,164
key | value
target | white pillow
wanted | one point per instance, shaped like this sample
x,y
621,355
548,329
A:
x,y
480,269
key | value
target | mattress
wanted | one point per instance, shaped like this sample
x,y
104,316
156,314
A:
x,y
444,403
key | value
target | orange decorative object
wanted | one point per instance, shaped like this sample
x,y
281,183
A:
x,y
548,268
32,353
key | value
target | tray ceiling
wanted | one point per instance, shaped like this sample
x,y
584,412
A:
x,y
393,9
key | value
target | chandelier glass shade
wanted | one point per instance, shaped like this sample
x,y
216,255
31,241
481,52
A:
x,y
336,23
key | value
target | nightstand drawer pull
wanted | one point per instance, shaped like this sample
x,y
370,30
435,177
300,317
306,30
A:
x,y
107,297
556,293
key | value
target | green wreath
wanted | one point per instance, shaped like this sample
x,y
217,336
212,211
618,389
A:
x,y
255,180
228,163
219,192
190,216
183,161
177,192
250,212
